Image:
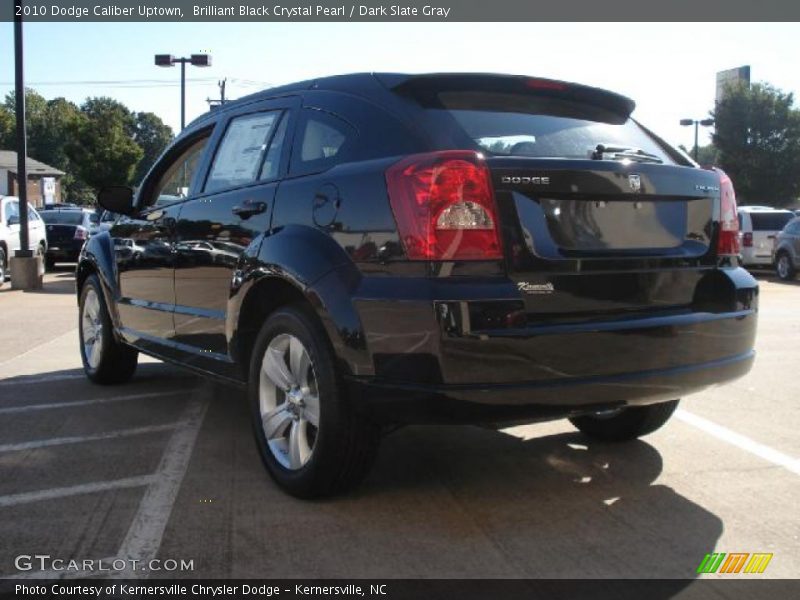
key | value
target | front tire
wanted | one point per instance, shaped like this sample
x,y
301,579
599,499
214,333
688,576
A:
x,y
784,268
105,360
627,424
311,439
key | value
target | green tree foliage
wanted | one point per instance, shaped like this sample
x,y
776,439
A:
x,y
758,139
152,135
97,144
101,145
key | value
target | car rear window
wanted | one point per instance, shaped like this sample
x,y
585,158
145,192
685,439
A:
x,y
770,221
509,124
72,217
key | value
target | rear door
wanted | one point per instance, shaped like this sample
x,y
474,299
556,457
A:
x,y
217,227
597,214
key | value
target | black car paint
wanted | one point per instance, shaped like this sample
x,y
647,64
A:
x,y
61,242
421,341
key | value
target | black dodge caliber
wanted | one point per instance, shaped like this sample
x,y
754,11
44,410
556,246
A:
x,y
378,249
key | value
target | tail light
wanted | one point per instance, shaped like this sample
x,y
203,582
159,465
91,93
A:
x,y
728,241
444,206
747,240
81,233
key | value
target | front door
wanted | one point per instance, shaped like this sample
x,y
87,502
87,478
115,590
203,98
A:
x,y
218,226
145,245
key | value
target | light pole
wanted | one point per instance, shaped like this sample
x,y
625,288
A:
x,y
198,60
696,123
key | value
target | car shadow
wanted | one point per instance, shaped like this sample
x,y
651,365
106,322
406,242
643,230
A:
x,y
60,280
582,508
766,276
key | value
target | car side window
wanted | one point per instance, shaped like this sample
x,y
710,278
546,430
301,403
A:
x,y
242,151
325,141
174,184
12,210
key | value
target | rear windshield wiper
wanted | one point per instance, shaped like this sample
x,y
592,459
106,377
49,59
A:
x,y
609,152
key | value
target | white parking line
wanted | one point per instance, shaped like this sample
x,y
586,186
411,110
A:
x,y
147,529
79,439
74,490
56,405
740,441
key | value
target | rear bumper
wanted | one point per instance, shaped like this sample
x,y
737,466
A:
x,y
541,400
431,363
67,251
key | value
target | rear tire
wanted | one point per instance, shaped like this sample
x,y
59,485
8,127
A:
x,y
628,424
311,439
49,263
105,360
784,268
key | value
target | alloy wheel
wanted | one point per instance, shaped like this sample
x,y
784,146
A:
x,y
92,329
289,401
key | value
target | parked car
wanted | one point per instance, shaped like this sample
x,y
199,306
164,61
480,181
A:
x,y
424,248
786,255
9,233
67,229
759,226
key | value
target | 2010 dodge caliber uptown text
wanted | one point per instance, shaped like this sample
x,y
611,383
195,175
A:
x,y
378,249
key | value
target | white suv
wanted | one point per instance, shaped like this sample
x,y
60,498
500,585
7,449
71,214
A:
x,y
758,228
9,232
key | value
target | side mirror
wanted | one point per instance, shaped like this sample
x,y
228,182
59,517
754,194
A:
x,y
117,198
13,220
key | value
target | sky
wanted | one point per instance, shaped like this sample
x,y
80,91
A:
x,y
667,68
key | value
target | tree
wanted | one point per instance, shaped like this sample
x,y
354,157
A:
x,y
152,135
758,138
102,149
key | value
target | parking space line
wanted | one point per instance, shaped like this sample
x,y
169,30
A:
x,y
79,439
147,528
740,441
74,490
57,405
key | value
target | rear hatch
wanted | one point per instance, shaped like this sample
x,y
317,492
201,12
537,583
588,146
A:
x,y
598,215
60,226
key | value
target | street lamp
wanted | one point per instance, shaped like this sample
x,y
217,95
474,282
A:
x,y
198,60
696,123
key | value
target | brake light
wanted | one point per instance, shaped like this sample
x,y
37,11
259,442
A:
x,y
546,84
728,241
81,233
444,206
747,240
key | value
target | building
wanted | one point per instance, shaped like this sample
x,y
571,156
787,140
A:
x,y
44,181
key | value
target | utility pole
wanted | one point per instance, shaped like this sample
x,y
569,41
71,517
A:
x,y
26,273
213,102
22,137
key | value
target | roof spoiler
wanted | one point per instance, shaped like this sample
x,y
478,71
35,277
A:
x,y
519,84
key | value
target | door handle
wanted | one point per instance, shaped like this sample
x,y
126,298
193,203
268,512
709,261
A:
x,y
248,209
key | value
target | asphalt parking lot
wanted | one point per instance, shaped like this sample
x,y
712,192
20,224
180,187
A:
x,y
165,467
